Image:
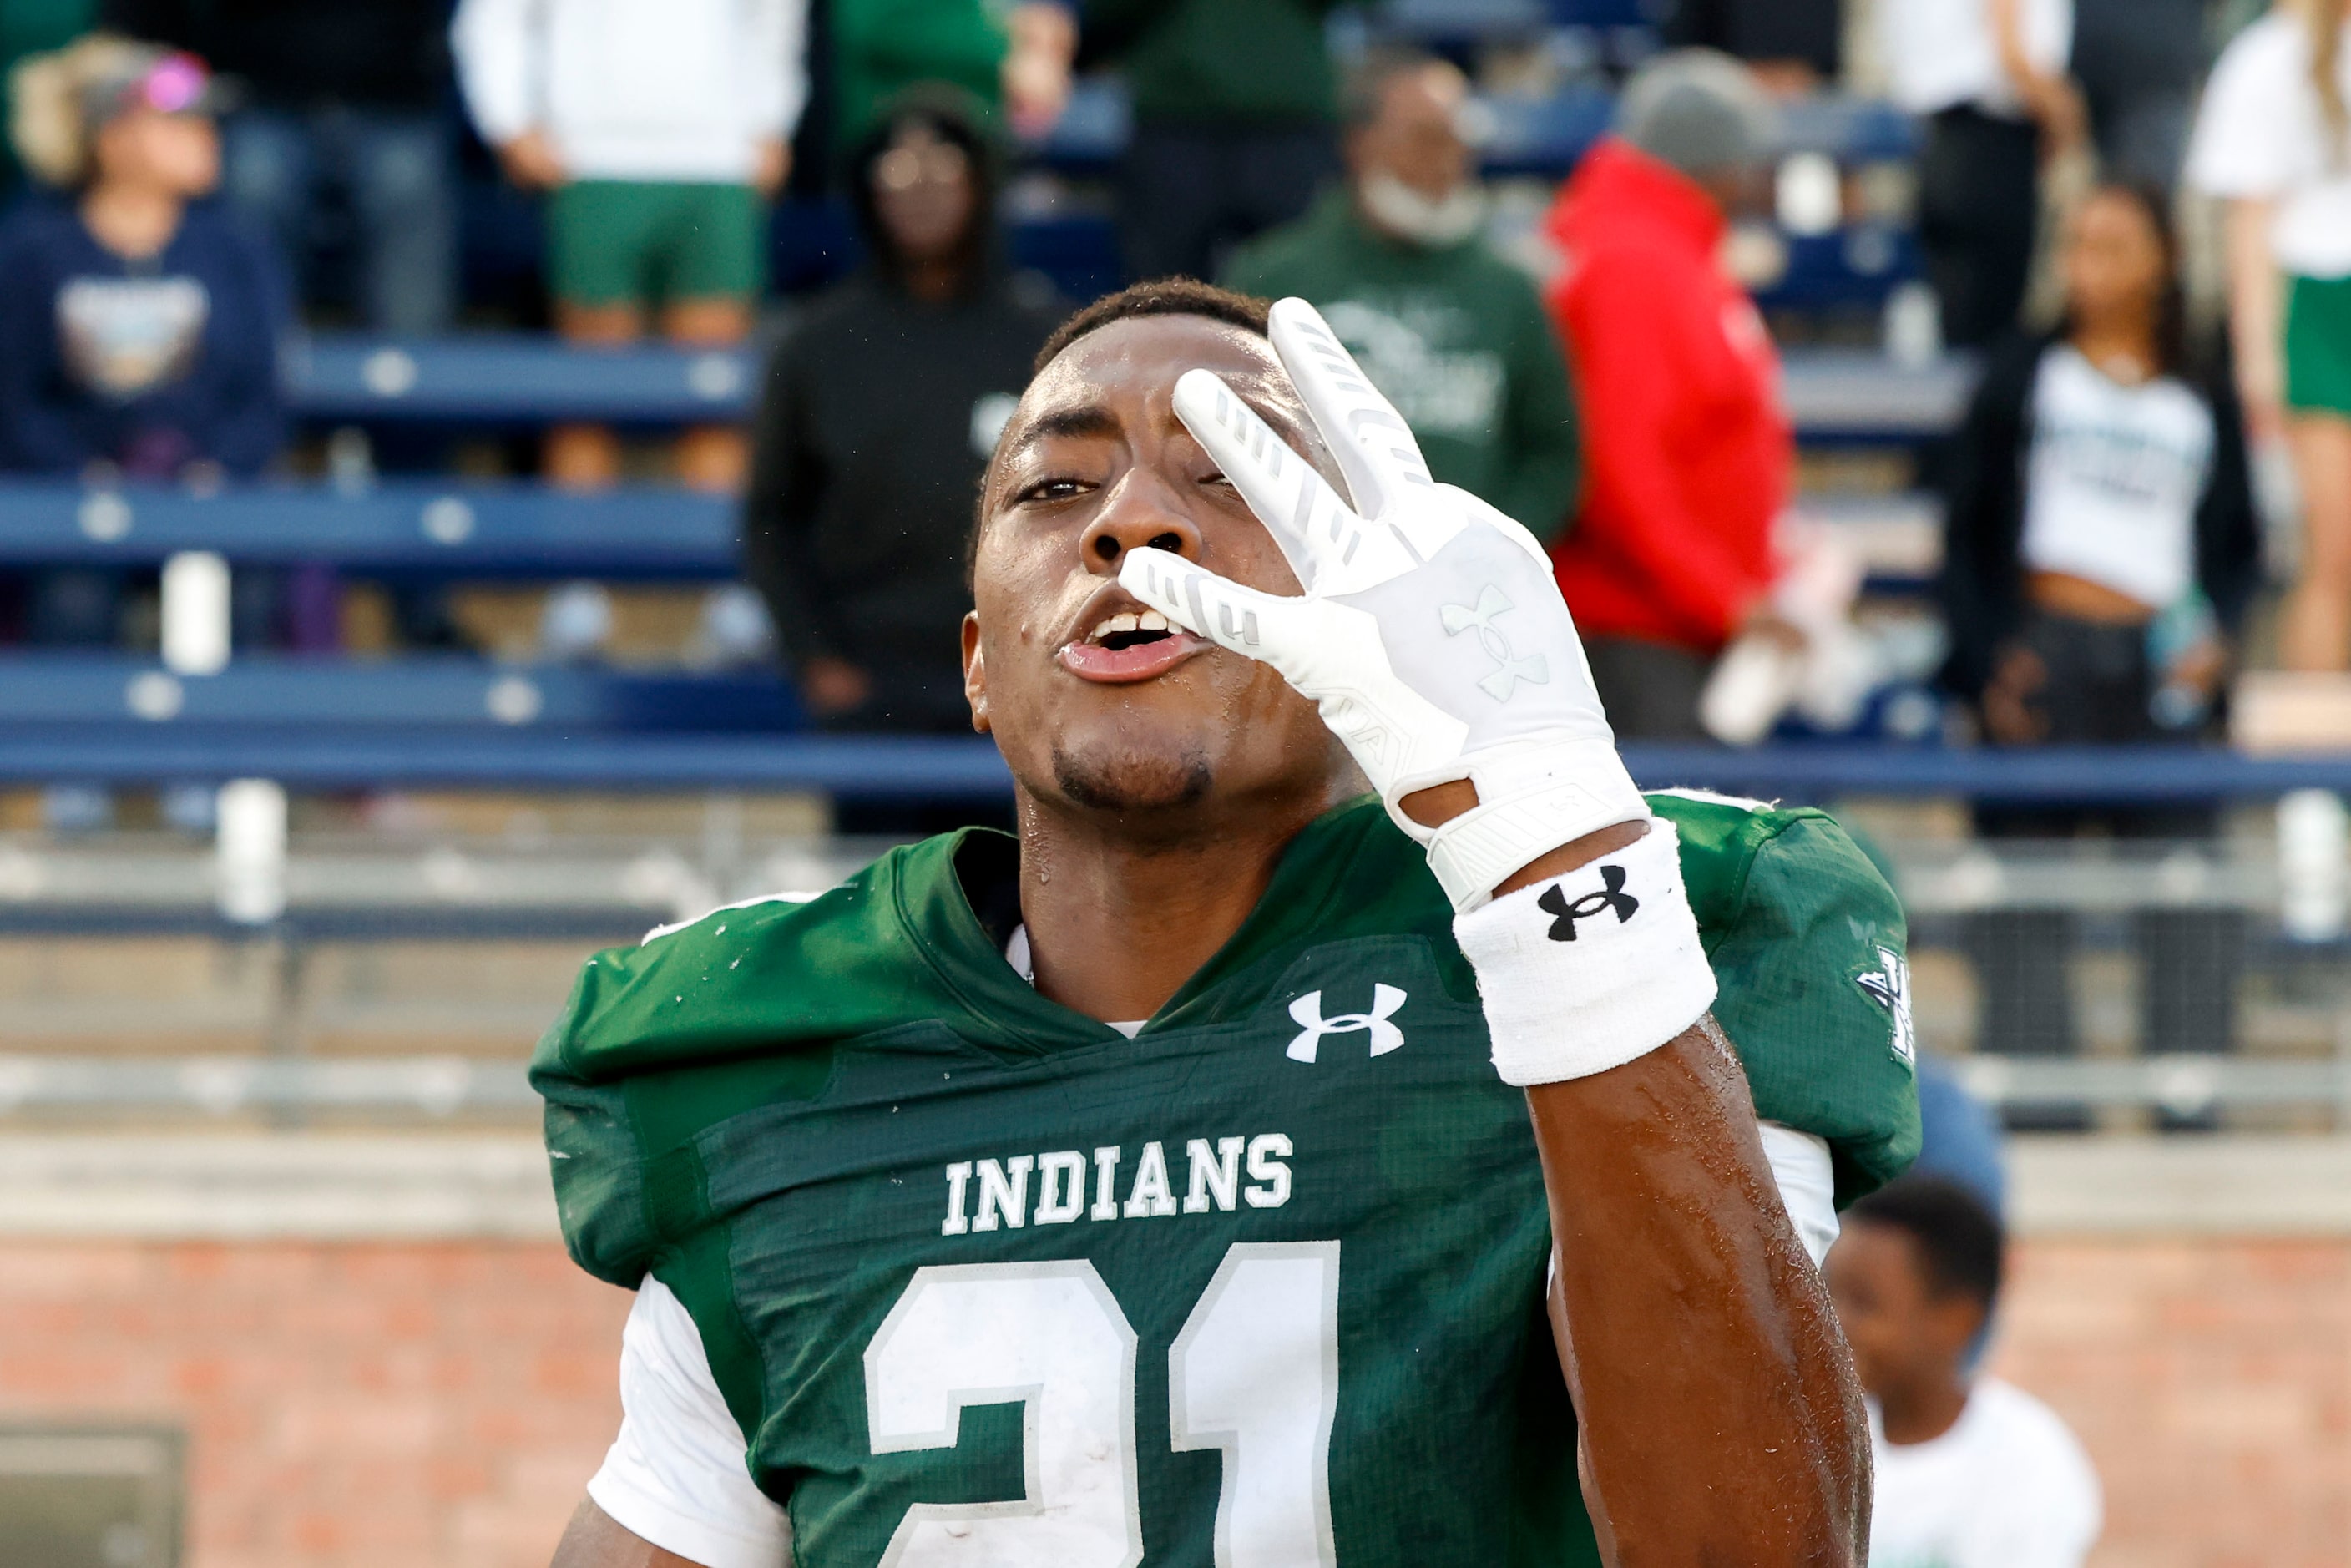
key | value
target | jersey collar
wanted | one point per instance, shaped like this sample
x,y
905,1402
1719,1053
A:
x,y
1343,869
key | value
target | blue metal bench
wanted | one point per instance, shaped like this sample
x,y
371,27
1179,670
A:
x,y
63,693
516,379
429,528
337,726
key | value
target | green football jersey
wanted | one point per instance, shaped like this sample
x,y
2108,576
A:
x,y
985,1282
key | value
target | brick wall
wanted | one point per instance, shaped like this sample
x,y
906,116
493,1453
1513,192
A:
x,y
2210,1381
365,1404
360,1405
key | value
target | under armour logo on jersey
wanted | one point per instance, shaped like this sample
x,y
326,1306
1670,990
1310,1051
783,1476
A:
x,y
1612,895
1308,1010
1509,670
1889,988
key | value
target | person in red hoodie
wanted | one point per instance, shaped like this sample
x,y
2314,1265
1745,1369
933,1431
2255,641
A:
x,y
1690,455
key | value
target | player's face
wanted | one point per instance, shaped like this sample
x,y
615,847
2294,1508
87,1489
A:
x,y
1095,701
1902,1333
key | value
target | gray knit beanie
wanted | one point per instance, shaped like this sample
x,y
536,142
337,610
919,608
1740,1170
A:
x,y
1699,111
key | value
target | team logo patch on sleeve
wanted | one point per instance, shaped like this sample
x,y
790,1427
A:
x,y
1889,987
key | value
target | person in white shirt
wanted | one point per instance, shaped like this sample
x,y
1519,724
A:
x,y
659,128
2100,553
1972,1472
1990,78
2274,140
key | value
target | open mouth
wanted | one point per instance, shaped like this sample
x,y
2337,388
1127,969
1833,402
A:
x,y
1130,645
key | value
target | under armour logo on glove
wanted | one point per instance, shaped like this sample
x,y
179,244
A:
x,y
1510,670
1386,1001
1612,895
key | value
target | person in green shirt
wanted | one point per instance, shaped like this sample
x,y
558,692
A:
x,y
1016,59
1453,334
1234,101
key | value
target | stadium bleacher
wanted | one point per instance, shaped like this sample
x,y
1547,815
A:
x,y
342,725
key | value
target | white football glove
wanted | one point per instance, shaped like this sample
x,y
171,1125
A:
x,y
1431,634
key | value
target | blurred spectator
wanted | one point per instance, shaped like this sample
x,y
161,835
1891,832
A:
x,y
1972,1472
1959,1136
2101,482
2100,551
1017,59
1690,456
34,27
1793,46
347,97
660,127
139,330
1398,264
2275,140
881,408
2138,62
1991,74
1233,110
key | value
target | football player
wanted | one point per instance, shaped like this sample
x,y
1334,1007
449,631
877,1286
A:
x,y
1320,1137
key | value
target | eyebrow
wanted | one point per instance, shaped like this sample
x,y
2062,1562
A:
x,y
1087,419
1094,419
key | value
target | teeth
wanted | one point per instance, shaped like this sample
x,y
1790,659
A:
x,y
1129,620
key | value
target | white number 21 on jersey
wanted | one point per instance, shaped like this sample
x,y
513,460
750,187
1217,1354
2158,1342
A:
x,y
1255,1371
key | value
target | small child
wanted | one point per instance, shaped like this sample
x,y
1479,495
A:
x,y
1972,1472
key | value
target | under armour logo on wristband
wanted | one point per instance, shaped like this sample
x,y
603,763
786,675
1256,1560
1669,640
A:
x,y
1503,682
1612,895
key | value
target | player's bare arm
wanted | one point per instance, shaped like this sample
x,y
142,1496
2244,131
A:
x,y
594,1539
1720,1419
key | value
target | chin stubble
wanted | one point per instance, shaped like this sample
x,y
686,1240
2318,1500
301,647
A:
x,y
1131,783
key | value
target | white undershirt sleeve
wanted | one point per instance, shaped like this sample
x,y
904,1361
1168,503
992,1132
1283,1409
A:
x,y
1807,1180
676,1475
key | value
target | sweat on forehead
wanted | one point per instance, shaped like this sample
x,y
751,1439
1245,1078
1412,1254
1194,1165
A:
x,y
1077,393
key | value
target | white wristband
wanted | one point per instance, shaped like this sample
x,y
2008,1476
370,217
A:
x,y
1589,971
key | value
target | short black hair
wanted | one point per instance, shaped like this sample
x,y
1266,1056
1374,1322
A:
x,y
1159,296
1959,1237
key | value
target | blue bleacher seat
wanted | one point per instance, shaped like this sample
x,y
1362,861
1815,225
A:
x,y
514,378
360,757
502,379
437,693
444,530
1856,267
1079,251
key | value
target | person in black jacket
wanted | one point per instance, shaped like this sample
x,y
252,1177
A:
x,y
2100,551
880,412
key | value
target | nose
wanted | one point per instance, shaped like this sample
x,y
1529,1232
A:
x,y
1137,516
